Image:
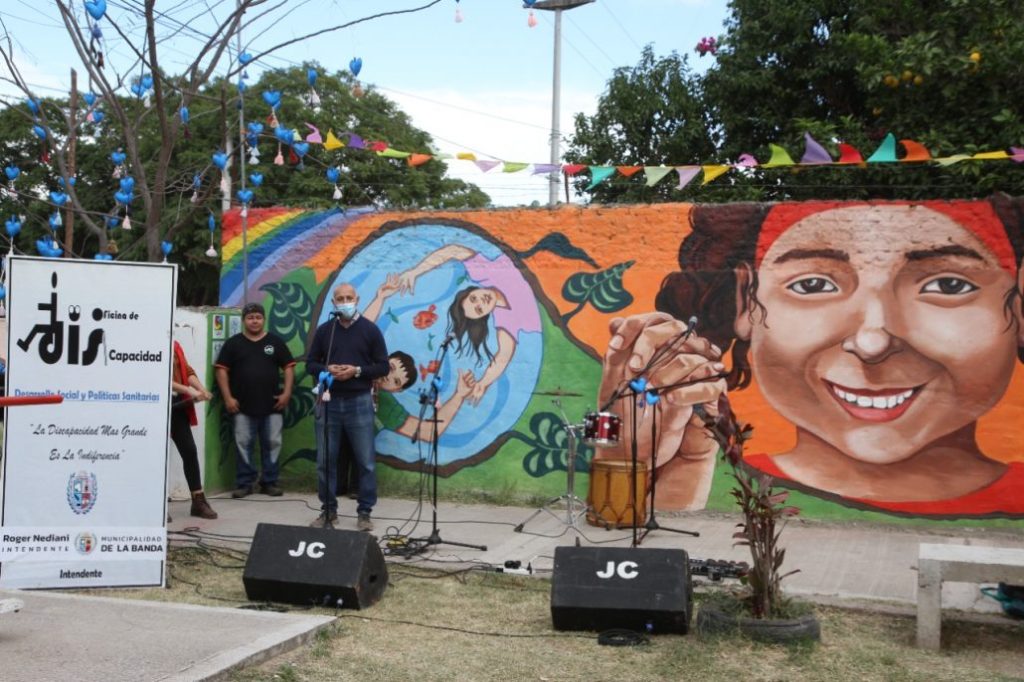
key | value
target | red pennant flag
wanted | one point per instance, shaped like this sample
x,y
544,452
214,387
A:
x,y
849,154
573,168
376,146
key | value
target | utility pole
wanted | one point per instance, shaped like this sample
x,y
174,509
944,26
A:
x,y
557,6
69,214
241,173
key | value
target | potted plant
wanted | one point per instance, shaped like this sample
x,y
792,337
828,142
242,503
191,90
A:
x,y
759,609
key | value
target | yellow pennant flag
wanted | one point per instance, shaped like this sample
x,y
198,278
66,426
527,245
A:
x,y
990,156
332,142
466,156
712,172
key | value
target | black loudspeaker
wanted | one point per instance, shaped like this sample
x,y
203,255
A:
x,y
318,566
602,588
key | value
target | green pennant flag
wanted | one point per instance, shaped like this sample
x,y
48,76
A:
x,y
598,174
886,152
393,153
514,166
654,174
780,157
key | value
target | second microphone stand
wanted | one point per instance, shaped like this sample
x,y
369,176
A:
x,y
431,397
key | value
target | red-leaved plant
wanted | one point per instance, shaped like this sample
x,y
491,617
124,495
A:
x,y
764,514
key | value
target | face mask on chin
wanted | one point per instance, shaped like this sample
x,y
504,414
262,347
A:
x,y
346,310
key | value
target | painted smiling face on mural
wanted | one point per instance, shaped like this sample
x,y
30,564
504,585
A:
x,y
885,329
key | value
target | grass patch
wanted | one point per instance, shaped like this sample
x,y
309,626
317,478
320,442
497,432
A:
x,y
454,625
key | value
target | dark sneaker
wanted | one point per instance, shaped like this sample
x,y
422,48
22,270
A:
x,y
364,523
325,520
239,493
272,490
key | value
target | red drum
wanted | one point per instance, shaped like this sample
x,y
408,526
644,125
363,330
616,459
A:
x,y
601,429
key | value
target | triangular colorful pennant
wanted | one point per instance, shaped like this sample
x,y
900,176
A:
x,y
486,165
886,152
654,174
355,141
419,159
915,152
572,168
950,160
713,171
990,156
814,153
545,168
513,167
390,153
848,154
629,171
598,174
686,174
746,161
780,157
1017,154
332,142
466,156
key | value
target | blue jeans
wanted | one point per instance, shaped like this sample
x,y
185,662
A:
x,y
351,416
268,431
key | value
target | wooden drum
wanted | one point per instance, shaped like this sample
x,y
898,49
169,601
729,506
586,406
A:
x,y
610,503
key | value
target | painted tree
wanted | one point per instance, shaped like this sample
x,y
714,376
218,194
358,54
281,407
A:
x,y
167,125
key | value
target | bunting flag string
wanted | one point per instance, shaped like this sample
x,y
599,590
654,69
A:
x,y
815,154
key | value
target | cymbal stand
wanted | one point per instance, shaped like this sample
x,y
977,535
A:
x,y
575,507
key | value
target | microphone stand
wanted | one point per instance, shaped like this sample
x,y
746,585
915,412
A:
x,y
432,396
652,521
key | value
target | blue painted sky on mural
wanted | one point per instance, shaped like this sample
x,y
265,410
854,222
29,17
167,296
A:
x,y
482,85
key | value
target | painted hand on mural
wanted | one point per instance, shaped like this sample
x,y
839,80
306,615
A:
x,y
684,450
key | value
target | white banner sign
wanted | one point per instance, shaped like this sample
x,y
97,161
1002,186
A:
x,y
84,481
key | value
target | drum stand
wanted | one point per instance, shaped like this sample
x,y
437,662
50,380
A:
x,y
575,508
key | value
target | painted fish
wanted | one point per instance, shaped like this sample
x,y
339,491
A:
x,y
425,318
431,368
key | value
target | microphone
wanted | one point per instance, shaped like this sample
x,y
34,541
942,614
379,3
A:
x,y
691,324
448,340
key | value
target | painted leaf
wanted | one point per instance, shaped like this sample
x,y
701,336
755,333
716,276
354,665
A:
x,y
603,290
302,402
560,245
549,447
291,311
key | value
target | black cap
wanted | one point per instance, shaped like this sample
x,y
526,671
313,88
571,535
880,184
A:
x,y
253,308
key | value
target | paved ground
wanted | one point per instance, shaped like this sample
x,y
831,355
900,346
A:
x,y
59,636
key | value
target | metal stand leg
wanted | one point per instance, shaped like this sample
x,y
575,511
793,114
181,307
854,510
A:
x,y
575,508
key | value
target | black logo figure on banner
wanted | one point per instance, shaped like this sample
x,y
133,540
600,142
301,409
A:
x,y
51,342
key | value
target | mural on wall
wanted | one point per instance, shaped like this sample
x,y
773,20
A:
x,y
873,346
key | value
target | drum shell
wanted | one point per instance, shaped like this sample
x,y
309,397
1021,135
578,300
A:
x,y
610,502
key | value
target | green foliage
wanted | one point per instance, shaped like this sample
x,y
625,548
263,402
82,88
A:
x,y
843,70
650,114
603,290
764,513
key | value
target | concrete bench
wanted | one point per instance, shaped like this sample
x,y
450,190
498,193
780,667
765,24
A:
x,y
957,563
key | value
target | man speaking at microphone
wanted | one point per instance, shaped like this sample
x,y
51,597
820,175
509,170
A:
x,y
352,350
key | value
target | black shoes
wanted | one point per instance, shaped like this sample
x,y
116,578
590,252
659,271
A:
x,y
271,490
239,493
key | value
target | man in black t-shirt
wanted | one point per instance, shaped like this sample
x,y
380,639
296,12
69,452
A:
x,y
248,372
